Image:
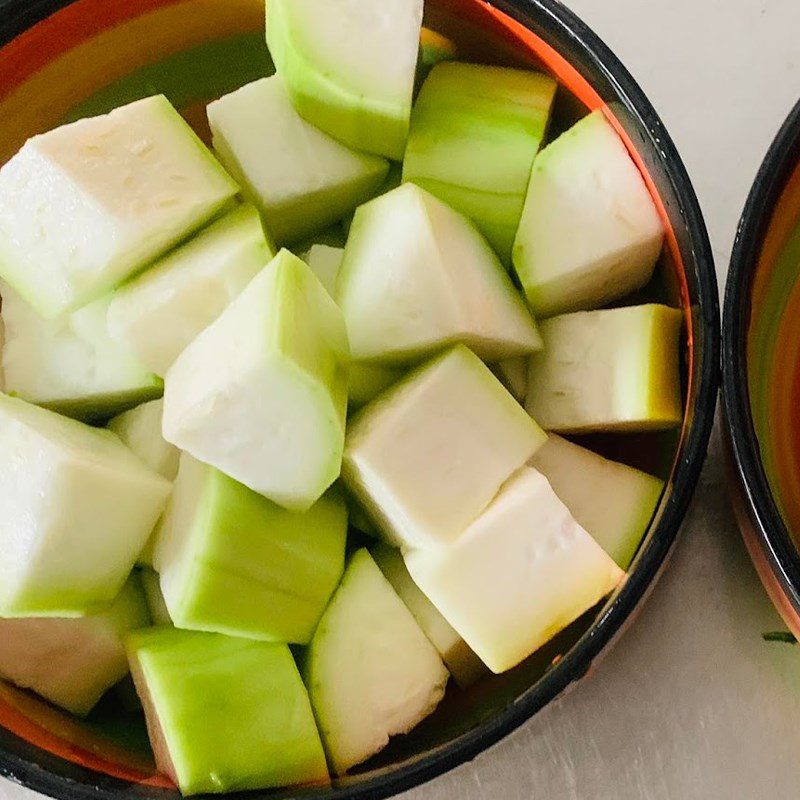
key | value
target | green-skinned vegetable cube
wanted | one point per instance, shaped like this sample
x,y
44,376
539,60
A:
x,y
225,714
159,313
73,662
88,204
233,562
77,508
475,131
261,394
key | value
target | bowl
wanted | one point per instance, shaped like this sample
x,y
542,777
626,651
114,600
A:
x,y
761,363
61,60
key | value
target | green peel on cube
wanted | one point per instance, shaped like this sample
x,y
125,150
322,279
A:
x,y
523,572
261,394
225,714
349,66
475,131
590,232
233,562
139,179
462,663
71,364
77,508
430,454
73,662
371,672
300,178
159,313
417,277
616,370
613,502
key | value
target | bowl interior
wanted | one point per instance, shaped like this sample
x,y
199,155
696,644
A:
x,y
762,369
88,56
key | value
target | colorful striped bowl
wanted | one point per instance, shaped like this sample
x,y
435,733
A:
x,y
60,60
761,358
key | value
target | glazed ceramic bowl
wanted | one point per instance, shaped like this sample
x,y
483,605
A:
x,y
761,358
61,60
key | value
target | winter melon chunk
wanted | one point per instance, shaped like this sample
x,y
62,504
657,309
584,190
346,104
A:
x,y
73,662
612,501
614,370
463,664
371,672
349,66
163,310
520,574
417,276
301,179
261,394
77,508
430,454
86,205
233,562
475,130
225,714
71,364
590,232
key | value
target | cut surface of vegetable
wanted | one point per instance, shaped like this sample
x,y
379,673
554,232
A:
x,y
349,66
611,501
71,364
523,571
233,562
77,507
371,672
590,232
136,181
140,430
475,130
72,662
325,262
465,667
614,370
159,313
418,276
430,454
159,613
261,394
300,178
225,714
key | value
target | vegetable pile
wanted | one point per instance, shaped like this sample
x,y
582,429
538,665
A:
x,y
372,309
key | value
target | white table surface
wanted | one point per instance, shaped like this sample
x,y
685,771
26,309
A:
x,y
692,703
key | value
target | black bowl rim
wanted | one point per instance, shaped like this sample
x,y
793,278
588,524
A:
x,y
774,538
578,661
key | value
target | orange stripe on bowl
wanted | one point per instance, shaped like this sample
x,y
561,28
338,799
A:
x,y
41,101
